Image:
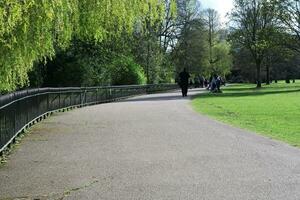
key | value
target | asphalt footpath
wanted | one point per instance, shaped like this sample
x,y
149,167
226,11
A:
x,y
151,147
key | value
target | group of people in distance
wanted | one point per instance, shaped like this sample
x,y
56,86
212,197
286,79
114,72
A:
x,y
213,84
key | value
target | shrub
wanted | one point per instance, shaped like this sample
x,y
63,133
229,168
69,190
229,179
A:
x,y
125,71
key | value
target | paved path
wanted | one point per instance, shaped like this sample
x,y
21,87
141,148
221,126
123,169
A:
x,y
148,148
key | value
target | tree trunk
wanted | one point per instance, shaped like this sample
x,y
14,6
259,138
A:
x,y
268,74
258,74
148,62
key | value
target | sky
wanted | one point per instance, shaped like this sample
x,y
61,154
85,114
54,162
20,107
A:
x,y
222,6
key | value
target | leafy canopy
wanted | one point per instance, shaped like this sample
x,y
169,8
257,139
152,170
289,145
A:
x,y
32,30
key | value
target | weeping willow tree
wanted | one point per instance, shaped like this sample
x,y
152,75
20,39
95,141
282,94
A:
x,y
31,30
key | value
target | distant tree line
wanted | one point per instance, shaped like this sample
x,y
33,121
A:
x,y
265,38
88,43
184,37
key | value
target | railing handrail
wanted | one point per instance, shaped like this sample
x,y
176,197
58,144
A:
x,y
9,98
19,109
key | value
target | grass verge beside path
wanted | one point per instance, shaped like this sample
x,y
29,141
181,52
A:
x,y
273,111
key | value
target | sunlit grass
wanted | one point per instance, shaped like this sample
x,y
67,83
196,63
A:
x,y
273,110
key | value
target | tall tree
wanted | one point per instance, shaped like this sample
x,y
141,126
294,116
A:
x,y
167,30
253,21
218,59
153,40
189,51
211,20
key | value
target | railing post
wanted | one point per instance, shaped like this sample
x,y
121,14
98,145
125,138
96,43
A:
x,y
15,114
38,101
27,119
71,103
47,100
85,96
96,95
80,91
106,94
59,100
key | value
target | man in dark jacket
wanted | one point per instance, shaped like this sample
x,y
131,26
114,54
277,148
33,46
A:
x,y
184,82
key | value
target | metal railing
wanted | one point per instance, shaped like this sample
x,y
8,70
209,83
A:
x,y
21,109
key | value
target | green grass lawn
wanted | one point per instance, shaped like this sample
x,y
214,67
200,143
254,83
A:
x,y
273,110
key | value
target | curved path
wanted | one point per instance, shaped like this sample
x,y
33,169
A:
x,y
152,147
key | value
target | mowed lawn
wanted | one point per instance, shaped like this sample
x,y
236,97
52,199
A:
x,y
273,110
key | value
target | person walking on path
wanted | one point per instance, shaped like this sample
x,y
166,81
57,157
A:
x,y
184,82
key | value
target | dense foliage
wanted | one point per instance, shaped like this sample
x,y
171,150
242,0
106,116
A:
x,y
33,30
79,42
202,46
124,71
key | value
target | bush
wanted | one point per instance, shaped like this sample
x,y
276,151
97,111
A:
x,y
124,71
86,64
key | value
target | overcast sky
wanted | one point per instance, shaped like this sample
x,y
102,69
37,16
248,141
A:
x,y
222,6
